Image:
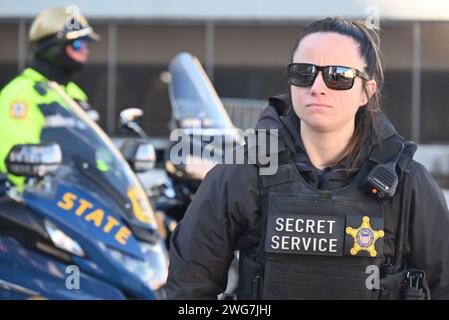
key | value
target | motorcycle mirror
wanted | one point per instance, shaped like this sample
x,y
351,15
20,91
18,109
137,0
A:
x,y
141,156
34,160
130,115
128,120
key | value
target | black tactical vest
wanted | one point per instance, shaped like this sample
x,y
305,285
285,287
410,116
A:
x,y
324,244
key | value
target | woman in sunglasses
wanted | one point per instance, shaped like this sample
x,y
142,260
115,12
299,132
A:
x,y
348,214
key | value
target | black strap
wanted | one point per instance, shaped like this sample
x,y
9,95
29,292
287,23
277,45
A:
x,y
398,265
385,151
407,155
404,218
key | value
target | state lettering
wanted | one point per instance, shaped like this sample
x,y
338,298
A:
x,y
95,216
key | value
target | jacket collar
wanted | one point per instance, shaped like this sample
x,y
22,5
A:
x,y
280,115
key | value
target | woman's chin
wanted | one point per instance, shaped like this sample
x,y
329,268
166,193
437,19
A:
x,y
318,122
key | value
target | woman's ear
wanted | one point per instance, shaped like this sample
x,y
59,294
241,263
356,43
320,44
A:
x,y
370,89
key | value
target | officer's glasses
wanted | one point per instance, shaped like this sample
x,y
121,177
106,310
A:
x,y
78,45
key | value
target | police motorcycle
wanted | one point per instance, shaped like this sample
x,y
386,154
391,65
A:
x,y
143,148
201,135
81,226
199,123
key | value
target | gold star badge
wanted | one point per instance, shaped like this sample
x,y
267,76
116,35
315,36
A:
x,y
364,238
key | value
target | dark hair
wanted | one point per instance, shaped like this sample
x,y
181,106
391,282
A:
x,y
368,41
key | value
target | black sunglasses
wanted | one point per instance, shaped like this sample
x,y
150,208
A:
x,y
335,77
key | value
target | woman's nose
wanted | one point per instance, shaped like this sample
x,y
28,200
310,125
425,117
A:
x,y
318,86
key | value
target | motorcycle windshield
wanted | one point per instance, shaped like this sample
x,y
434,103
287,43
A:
x,y
89,151
194,100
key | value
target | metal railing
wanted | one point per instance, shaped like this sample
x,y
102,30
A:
x,y
244,113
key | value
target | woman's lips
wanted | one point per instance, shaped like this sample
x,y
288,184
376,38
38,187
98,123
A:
x,y
319,105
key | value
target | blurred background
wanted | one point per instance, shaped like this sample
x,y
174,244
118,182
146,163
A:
x,y
244,47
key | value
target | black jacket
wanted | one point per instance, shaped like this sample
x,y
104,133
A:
x,y
225,216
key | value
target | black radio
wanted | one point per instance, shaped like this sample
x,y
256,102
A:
x,y
382,180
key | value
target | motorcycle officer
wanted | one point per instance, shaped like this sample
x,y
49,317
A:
x,y
59,41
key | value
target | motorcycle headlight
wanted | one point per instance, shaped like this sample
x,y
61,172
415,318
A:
x,y
197,167
153,271
63,241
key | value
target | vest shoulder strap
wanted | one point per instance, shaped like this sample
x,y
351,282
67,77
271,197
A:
x,y
387,150
397,265
407,155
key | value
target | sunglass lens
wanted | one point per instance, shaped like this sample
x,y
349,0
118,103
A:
x,y
339,78
301,75
77,45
